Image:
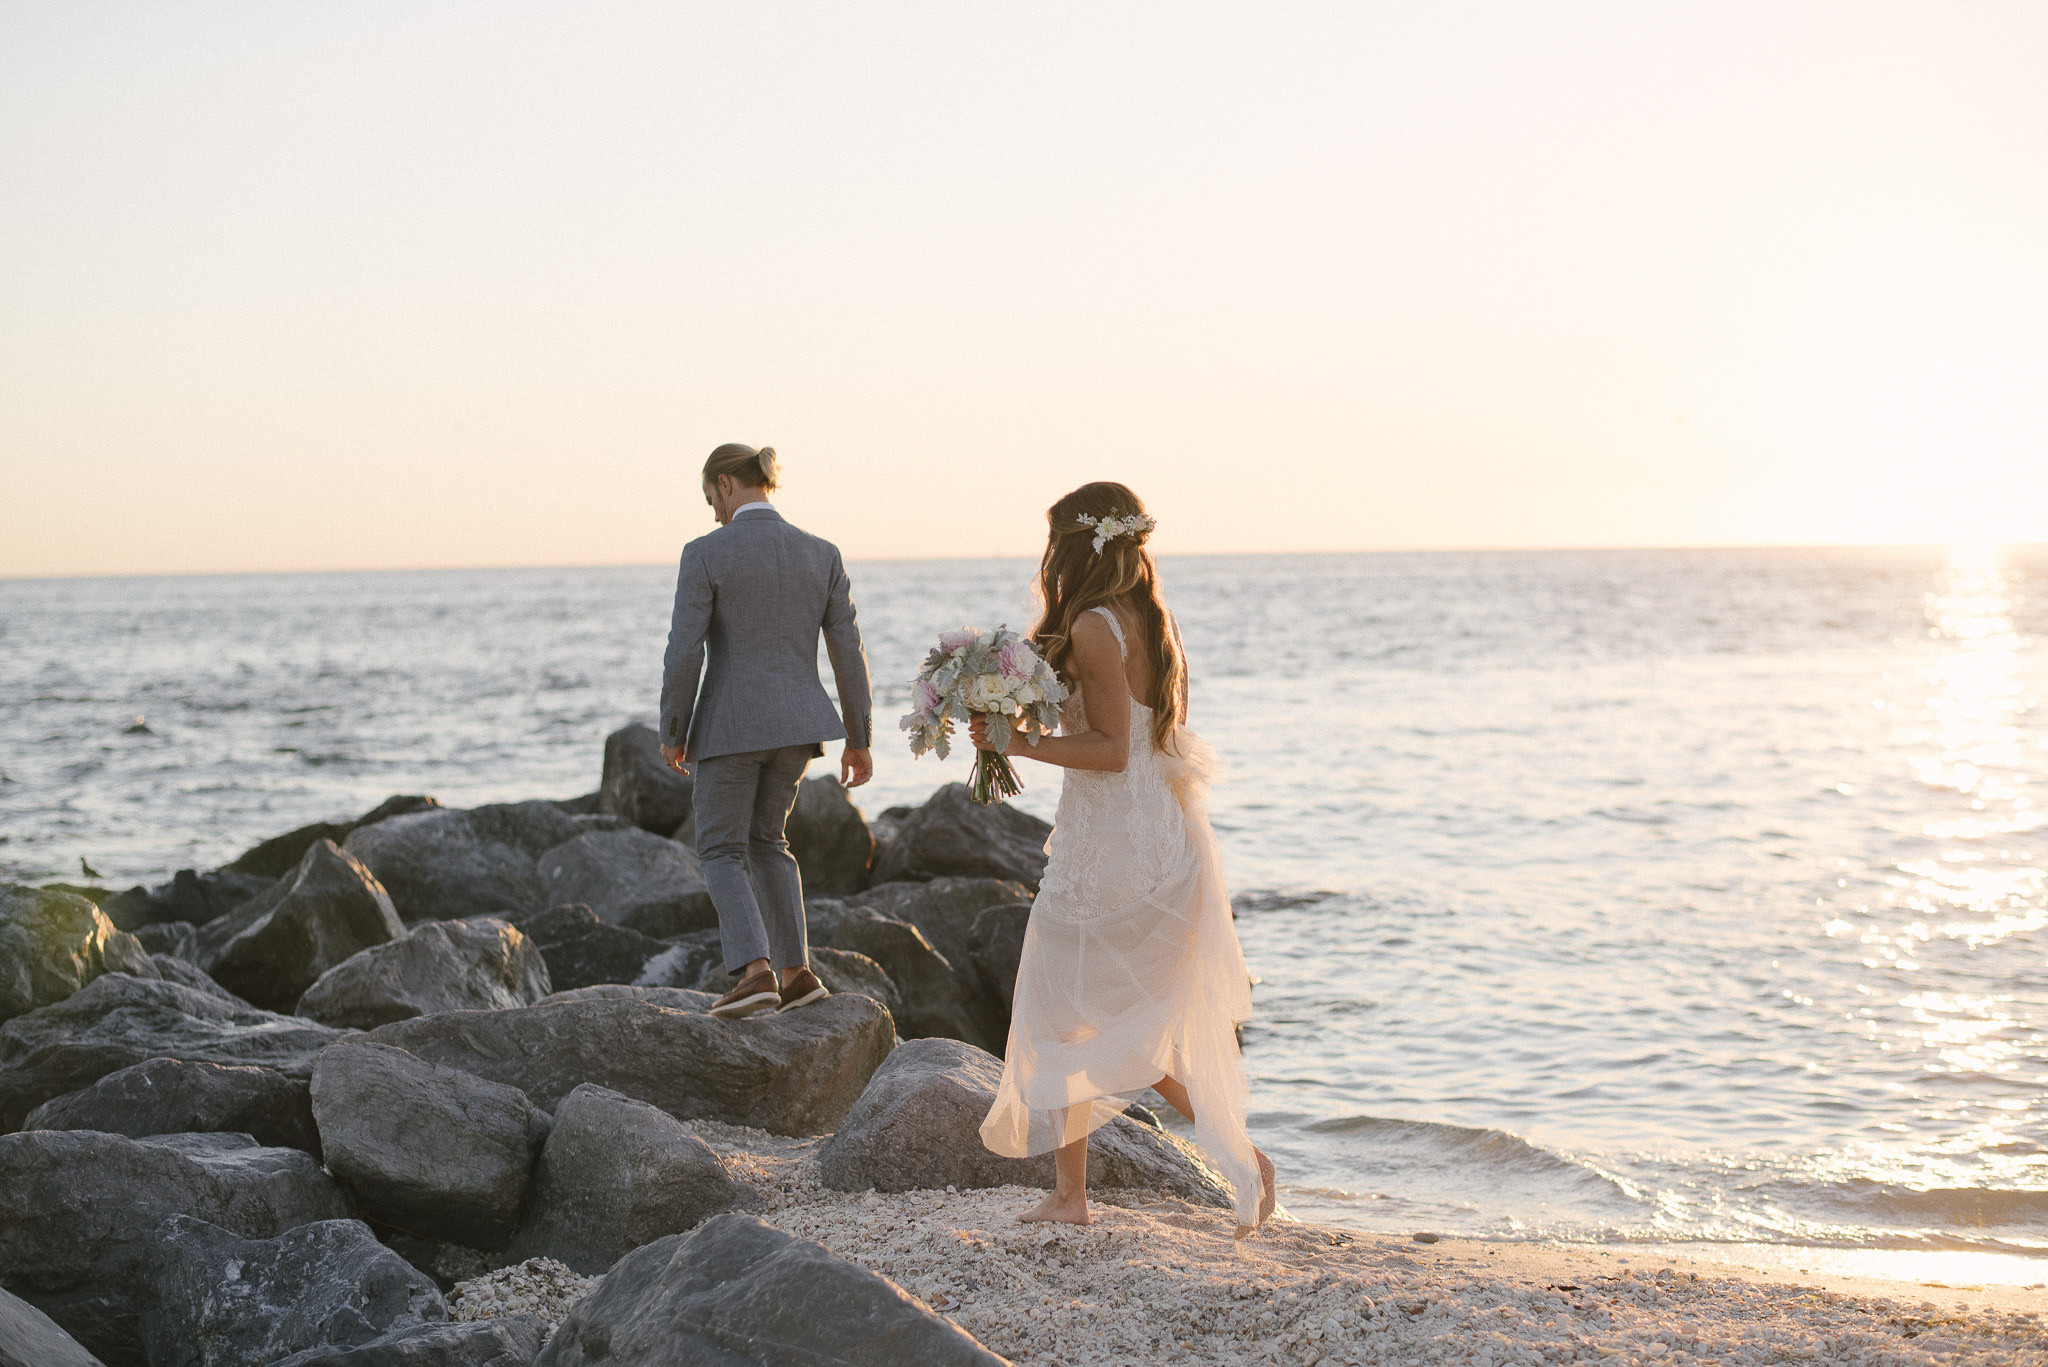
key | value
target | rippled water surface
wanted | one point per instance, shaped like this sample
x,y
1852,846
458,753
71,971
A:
x,y
1660,896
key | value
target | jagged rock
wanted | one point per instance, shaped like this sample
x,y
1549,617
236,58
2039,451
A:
x,y
274,948
453,863
279,855
632,879
117,1020
52,944
502,1341
172,1096
430,1149
885,829
945,909
478,965
189,896
918,1125
638,783
952,835
738,1292
172,969
936,999
830,839
227,1301
840,970
793,1072
617,1173
77,1209
168,937
29,1338
580,949
586,805
995,944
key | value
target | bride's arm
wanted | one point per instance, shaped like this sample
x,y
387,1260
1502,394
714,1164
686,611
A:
x,y
1106,745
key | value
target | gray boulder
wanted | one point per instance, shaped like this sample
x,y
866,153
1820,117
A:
x,y
945,909
227,1301
830,839
995,944
477,965
173,1096
952,835
174,938
190,896
29,1338
77,1210
279,855
918,1125
638,783
171,968
274,948
451,863
430,1149
937,999
503,1341
118,1020
581,950
632,879
794,1072
618,1173
737,1292
52,944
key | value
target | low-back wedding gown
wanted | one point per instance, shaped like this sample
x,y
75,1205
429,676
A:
x,y
1131,970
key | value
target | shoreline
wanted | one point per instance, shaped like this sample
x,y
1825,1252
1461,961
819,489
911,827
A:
x,y
1156,1280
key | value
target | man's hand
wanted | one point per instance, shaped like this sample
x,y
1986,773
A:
x,y
855,767
678,757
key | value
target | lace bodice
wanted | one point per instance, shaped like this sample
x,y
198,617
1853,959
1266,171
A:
x,y
1115,836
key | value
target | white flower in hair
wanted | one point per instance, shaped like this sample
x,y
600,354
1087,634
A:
x,y
1109,528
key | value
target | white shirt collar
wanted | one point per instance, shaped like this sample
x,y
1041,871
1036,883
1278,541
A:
x,y
749,507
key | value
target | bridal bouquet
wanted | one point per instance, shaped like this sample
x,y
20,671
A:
x,y
996,673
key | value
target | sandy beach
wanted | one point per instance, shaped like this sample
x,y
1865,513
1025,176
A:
x,y
1158,1281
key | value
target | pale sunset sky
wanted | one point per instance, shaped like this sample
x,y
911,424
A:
x,y
367,285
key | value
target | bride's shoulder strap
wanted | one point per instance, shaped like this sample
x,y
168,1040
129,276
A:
x,y
1116,628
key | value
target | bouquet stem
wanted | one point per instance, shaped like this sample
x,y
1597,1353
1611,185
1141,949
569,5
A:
x,y
994,778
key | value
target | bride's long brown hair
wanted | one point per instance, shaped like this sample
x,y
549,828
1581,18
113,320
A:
x,y
1073,578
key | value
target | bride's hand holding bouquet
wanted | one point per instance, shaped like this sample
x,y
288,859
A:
x,y
994,680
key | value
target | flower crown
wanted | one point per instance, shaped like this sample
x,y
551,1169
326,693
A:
x,y
1110,528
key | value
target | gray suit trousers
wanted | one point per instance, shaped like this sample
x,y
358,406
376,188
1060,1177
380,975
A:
x,y
742,806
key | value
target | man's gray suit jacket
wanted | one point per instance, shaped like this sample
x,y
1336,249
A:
x,y
753,596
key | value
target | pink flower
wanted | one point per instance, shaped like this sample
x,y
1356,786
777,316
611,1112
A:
x,y
924,695
958,638
1016,659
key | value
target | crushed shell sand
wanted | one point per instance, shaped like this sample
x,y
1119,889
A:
x,y
1157,1281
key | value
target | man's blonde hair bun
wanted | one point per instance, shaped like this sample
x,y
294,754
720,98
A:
x,y
749,468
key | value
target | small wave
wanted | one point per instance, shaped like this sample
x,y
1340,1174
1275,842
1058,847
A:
x,y
1865,1201
1465,1144
1280,901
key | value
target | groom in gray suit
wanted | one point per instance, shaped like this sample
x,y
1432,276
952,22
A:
x,y
751,599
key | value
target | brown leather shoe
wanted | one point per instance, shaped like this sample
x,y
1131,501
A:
x,y
755,992
804,988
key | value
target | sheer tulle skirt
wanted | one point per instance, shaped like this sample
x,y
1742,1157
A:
x,y
1116,991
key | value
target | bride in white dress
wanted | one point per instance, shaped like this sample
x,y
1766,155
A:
x,y
1131,976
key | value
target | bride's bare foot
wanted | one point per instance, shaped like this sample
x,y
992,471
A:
x,y
1065,1210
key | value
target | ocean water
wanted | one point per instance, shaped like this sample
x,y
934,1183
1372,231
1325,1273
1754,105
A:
x,y
1649,898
